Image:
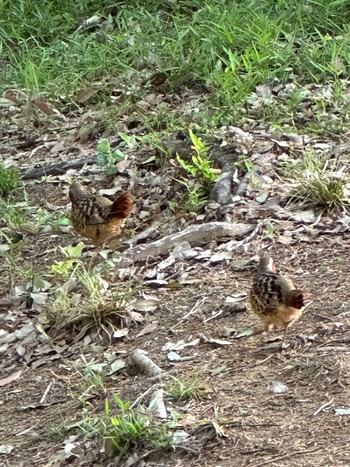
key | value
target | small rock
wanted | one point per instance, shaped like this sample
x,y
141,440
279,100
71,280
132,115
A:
x,y
237,307
277,387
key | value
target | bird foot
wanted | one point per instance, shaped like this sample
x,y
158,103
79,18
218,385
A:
x,y
283,346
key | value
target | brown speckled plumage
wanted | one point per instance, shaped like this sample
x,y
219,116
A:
x,y
274,297
97,217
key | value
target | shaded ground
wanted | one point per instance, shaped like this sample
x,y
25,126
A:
x,y
293,428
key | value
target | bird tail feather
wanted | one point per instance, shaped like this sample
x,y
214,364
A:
x,y
122,206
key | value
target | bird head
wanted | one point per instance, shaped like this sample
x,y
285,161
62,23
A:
x,y
296,299
76,192
266,264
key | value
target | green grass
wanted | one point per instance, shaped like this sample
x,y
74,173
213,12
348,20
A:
x,y
223,48
13,214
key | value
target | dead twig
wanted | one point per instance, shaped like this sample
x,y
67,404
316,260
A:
x,y
279,458
220,312
333,349
193,310
143,395
47,390
253,234
327,404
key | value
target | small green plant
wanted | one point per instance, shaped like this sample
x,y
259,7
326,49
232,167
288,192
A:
x,y
216,424
201,166
132,429
202,174
13,214
9,179
131,140
244,164
270,230
187,388
198,197
107,158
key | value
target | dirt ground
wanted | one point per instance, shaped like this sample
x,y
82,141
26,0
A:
x,y
298,426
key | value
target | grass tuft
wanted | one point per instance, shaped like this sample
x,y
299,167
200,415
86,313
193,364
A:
x,y
9,180
90,306
184,389
321,183
322,193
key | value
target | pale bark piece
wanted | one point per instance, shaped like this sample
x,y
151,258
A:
x,y
144,363
157,405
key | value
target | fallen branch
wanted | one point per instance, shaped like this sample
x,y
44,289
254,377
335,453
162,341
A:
x,y
194,234
57,169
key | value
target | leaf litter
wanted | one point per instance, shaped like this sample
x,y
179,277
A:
x,y
181,286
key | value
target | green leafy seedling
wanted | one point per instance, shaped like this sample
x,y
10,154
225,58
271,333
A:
x,y
72,255
202,174
107,158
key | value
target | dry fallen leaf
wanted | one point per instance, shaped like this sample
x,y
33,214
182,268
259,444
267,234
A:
x,y
10,378
146,305
147,329
120,333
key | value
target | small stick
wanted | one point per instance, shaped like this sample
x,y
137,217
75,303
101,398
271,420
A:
x,y
193,310
323,406
213,317
47,390
144,394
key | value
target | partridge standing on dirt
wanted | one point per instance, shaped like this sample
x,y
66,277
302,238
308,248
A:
x,y
274,297
97,217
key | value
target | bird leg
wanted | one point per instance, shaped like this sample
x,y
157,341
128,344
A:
x,y
284,338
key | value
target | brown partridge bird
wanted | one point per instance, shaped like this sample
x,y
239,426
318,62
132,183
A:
x,y
274,297
97,217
